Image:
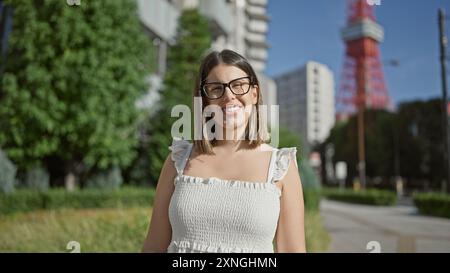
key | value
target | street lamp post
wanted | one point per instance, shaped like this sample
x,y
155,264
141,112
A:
x,y
397,176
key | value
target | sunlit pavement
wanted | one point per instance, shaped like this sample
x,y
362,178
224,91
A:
x,y
394,229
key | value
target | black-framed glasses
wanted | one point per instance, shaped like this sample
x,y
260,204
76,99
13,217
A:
x,y
215,90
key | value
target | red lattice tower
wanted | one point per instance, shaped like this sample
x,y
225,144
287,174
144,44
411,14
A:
x,y
362,83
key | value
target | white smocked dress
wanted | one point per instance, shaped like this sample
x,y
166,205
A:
x,y
217,215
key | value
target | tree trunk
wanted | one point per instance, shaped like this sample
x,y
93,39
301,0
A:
x,y
70,181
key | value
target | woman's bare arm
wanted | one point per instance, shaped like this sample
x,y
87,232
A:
x,y
160,230
290,235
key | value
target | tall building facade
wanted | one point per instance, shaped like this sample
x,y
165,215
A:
x,y
306,99
249,30
240,25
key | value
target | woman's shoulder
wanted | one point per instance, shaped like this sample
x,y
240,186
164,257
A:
x,y
265,147
282,150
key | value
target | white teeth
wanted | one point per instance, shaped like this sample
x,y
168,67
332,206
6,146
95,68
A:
x,y
231,109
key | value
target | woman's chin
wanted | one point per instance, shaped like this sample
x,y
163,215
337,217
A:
x,y
232,123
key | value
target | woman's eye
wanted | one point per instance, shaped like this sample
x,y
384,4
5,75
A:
x,y
213,88
240,85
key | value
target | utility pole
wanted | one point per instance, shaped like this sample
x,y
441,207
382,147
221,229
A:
x,y
443,58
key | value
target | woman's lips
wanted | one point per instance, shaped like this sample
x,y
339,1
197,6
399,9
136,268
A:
x,y
232,110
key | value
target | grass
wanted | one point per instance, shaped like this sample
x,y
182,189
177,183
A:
x,y
97,230
317,238
101,230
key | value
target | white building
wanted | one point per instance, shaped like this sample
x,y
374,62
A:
x,y
306,99
240,25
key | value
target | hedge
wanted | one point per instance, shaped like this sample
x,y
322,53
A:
x,y
26,200
432,203
368,197
312,199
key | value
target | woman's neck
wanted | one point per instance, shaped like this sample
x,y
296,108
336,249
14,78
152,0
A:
x,y
231,145
232,133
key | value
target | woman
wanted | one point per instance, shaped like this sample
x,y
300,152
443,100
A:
x,y
233,193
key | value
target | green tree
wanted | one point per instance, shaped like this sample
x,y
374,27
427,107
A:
x,y
412,136
421,143
193,39
379,144
71,80
343,137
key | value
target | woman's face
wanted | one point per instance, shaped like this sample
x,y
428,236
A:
x,y
236,109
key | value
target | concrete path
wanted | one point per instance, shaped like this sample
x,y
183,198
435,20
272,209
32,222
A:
x,y
362,228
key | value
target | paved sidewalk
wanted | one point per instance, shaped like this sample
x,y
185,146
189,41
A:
x,y
396,229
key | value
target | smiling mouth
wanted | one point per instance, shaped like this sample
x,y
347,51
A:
x,y
232,110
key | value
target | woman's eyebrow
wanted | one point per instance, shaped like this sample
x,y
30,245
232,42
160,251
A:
x,y
218,81
213,81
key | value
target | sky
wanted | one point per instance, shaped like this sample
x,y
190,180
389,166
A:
x,y
303,30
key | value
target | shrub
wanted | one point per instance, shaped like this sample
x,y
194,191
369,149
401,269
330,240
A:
x,y
96,198
20,200
435,204
7,174
312,199
27,200
311,186
369,197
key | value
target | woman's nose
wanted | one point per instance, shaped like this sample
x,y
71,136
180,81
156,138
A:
x,y
227,93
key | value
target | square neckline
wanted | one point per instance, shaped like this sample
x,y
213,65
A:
x,y
214,181
268,178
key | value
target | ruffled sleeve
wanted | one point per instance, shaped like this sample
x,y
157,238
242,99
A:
x,y
180,152
283,159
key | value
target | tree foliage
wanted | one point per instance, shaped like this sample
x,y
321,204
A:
x,y
412,136
192,42
71,80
